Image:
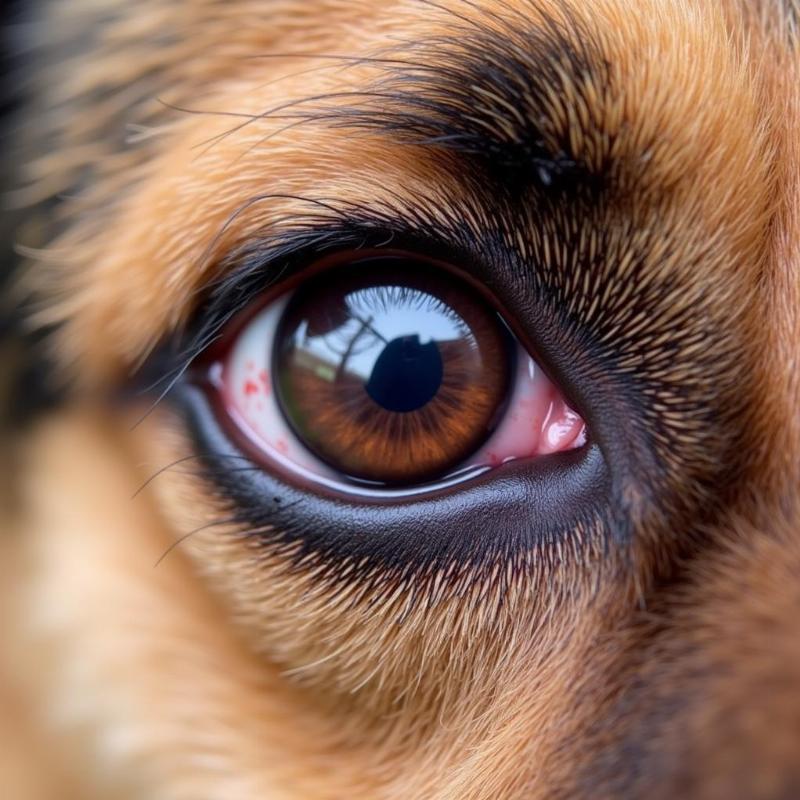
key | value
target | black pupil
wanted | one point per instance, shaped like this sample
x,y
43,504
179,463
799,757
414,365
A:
x,y
390,370
406,375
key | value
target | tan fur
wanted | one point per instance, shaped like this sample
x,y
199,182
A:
x,y
665,669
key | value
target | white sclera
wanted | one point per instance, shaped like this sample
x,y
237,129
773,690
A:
x,y
536,420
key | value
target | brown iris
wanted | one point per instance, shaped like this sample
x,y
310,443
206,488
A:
x,y
391,370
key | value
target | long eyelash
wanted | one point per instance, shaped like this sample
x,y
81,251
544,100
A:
x,y
263,264
211,469
454,229
224,305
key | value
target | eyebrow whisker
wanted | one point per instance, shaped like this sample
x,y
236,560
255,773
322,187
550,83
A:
x,y
270,113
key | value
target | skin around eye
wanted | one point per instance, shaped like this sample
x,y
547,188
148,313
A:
x,y
388,372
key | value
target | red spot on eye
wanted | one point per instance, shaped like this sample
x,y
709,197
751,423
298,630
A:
x,y
250,387
250,364
262,376
282,446
494,459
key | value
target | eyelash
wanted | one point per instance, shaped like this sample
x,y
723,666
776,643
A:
x,y
387,535
264,266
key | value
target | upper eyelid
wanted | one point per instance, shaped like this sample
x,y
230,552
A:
x,y
490,246
461,231
268,264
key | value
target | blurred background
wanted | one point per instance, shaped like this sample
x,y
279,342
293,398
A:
x,y
25,773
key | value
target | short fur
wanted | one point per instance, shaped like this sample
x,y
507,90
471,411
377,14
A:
x,y
636,168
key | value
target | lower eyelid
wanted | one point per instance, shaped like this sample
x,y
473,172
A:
x,y
507,513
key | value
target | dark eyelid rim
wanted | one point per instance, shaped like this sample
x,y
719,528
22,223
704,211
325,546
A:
x,y
565,495
514,515
270,266
557,493
557,340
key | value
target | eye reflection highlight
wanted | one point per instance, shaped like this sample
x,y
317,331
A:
x,y
388,376
394,380
392,338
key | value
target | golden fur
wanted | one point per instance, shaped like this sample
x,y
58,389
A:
x,y
666,665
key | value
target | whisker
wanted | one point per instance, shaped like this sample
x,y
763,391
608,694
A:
x,y
200,112
249,532
179,373
350,60
181,539
303,120
270,113
184,459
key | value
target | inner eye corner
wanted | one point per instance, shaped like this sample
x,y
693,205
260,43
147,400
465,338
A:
x,y
386,373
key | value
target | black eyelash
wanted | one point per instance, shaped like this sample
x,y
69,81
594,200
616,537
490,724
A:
x,y
261,265
379,544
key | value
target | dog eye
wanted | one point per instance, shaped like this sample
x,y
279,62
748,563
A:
x,y
386,372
